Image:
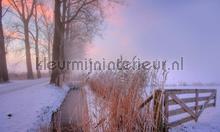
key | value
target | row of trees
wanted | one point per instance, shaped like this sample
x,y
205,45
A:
x,y
32,26
74,22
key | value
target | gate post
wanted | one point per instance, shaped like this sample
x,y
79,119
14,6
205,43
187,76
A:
x,y
197,104
215,97
166,112
158,111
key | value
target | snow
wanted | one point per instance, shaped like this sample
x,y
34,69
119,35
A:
x,y
209,121
93,108
96,109
30,104
26,105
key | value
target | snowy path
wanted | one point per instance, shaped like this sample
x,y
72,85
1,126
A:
x,y
19,85
30,104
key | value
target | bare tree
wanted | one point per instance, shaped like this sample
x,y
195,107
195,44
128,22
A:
x,y
41,32
87,15
55,79
47,28
3,64
25,9
36,40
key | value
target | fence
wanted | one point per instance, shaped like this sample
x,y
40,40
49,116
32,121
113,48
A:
x,y
190,102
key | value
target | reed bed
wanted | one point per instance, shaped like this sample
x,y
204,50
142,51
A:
x,y
121,94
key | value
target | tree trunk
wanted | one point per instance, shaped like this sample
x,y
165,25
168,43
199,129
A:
x,y
27,51
36,43
37,57
3,64
55,76
49,52
67,31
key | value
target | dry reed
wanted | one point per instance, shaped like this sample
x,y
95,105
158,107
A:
x,y
123,93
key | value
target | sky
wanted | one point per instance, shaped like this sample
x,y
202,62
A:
x,y
160,30
165,30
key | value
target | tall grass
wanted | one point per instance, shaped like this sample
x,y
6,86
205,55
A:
x,y
122,93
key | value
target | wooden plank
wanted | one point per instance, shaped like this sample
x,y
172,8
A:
x,y
206,90
146,101
181,111
183,105
179,91
188,91
189,100
166,109
179,122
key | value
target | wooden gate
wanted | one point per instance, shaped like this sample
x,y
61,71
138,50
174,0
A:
x,y
193,105
172,102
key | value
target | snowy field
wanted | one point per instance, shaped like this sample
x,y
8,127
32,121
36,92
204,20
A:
x,y
25,105
209,121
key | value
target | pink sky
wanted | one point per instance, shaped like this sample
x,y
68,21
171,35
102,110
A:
x,y
164,31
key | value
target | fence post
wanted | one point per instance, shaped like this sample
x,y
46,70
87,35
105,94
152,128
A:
x,y
215,97
166,112
197,104
158,110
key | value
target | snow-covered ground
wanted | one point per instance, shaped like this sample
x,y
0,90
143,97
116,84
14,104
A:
x,y
93,108
209,121
25,105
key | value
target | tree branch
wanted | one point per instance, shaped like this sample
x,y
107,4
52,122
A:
x,y
5,11
78,11
14,5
